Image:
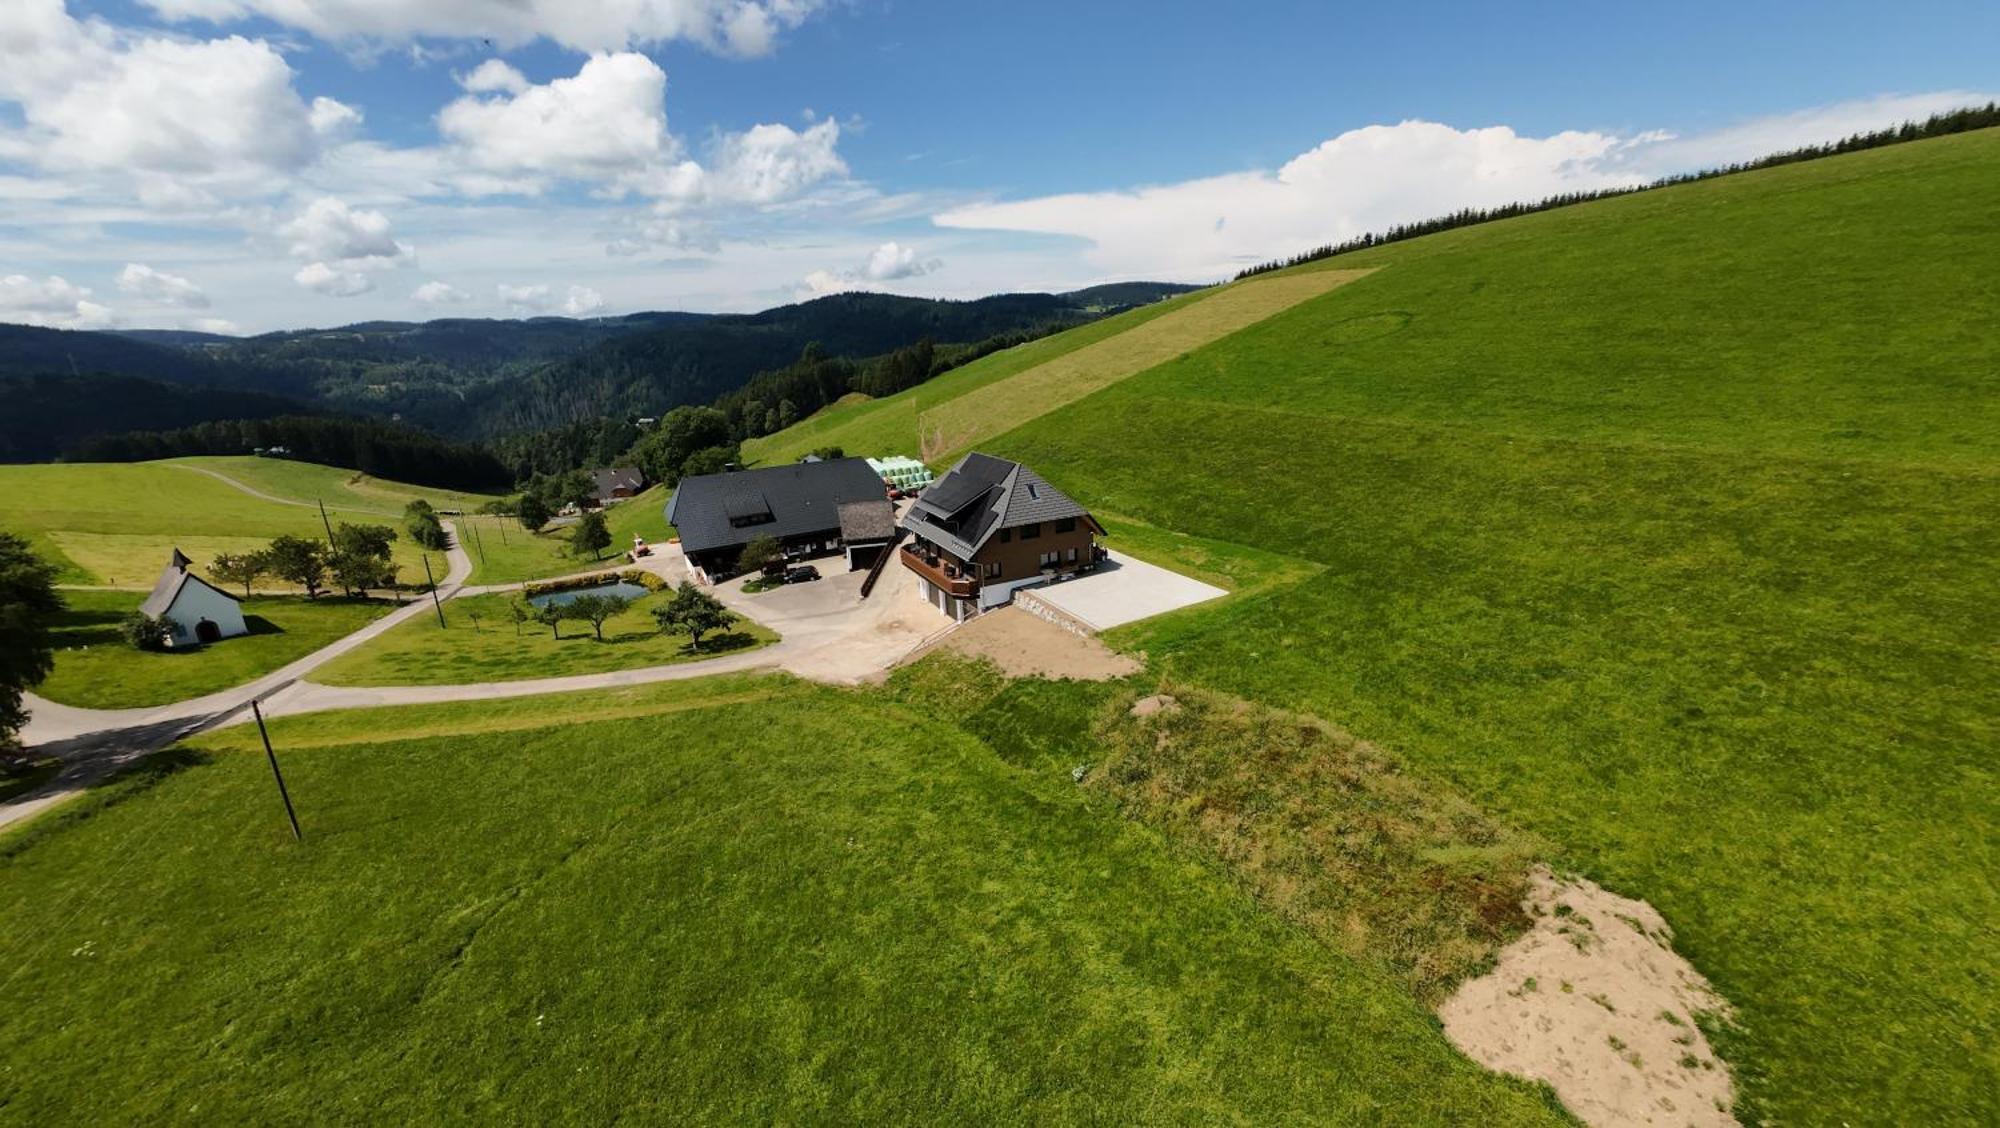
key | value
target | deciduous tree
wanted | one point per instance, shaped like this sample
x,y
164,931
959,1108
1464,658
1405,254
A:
x,y
298,560
591,535
28,608
694,611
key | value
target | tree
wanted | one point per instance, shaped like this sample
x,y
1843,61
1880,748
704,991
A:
x,y
298,560
760,554
571,488
520,611
596,610
829,452
551,615
143,631
28,608
360,558
533,512
663,452
694,611
591,535
239,568
424,527
711,460
788,413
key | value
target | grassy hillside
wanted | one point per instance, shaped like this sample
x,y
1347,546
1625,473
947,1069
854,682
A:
x,y
114,524
728,899
1665,526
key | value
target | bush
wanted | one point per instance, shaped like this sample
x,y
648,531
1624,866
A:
x,y
144,631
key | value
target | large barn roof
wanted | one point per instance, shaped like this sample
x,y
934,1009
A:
x,y
799,498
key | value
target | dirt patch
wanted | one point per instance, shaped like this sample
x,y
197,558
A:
x,y
1157,703
1024,646
1595,1001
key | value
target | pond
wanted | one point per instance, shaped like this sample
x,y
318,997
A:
x,y
620,589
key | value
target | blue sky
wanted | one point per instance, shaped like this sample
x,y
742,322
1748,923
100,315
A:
x,y
242,165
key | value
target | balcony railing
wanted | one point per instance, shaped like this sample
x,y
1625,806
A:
x,y
941,570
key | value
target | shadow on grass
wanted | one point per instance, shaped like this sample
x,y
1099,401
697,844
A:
x,y
719,644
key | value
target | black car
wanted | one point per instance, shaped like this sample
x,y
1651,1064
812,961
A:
x,y
802,574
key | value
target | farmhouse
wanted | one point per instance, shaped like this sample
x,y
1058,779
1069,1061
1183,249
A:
x,y
799,504
194,610
614,483
990,527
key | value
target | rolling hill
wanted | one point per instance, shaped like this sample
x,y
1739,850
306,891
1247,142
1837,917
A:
x,y
1663,525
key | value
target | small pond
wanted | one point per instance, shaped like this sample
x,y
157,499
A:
x,y
620,589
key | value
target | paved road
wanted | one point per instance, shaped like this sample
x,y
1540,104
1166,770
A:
x,y
95,743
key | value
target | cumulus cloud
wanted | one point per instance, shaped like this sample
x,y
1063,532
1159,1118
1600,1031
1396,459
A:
x,y
771,162
96,99
735,27
440,293
355,238
1371,178
887,263
577,301
52,302
494,76
321,278
142,281
609,119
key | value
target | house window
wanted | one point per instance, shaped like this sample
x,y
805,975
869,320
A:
x,y
1070,557
1006,535
993,569
1049,558
1066,525
1030,532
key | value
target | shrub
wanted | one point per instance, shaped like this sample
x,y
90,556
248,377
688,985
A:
x,y
145,631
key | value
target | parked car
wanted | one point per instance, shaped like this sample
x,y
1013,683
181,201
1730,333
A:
x,y
803,574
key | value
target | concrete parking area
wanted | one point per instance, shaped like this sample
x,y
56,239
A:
x,y
1124,590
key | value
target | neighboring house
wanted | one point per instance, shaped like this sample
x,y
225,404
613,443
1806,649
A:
x,y
194,610
799,504
902,472
620,482
866,529
989,527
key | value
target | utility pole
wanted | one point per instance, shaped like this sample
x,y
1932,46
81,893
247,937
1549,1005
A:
x,y
275,773
323,520
432,580
478,543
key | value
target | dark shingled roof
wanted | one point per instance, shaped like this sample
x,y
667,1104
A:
x,y
604,482
168,587
864,522
982,495
802,497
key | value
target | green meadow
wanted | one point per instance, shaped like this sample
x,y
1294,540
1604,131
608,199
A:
x,y
97,669
504,553
480,642
729,899
1665,528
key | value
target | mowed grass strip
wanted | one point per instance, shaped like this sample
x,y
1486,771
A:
x,y
814,907
993,409
97,669
479,643
115,524
871,428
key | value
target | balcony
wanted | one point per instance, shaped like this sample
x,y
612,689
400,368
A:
x,y
941,570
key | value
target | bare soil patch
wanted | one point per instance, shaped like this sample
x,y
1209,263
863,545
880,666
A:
x,y
1025,646
1595,1001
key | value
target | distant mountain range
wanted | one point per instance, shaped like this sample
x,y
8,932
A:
x,y
471,378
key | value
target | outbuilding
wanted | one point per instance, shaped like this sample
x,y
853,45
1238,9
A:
x,y
194,611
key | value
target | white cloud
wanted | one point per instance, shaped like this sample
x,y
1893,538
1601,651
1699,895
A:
x,y
356,238
582,301
95,99
142,281
334,283
736,27
893,260
1371,178
220,325
494,76
577,301
333,120
889,262
53,302
440,293
772,162
609,119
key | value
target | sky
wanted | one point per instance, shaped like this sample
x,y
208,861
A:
x,y
239,166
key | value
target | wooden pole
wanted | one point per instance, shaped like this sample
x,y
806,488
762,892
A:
x,y
477,542
437,606
297,836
